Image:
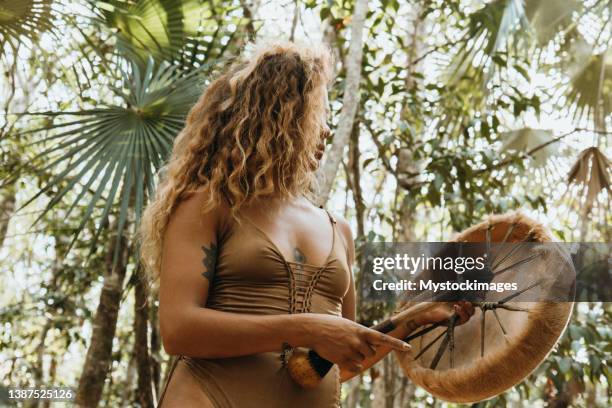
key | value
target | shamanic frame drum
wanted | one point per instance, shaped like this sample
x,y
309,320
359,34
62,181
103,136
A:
x,y
504,341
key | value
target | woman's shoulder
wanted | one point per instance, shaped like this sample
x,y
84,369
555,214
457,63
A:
x,y
344,228
193,208
343,225
346,236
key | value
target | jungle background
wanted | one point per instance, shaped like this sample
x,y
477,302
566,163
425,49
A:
x,y
443,112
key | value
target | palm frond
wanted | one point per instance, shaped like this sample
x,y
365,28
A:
x,y
20,19
590,88
185,32
489,31
526,139
144,27
110,155
549,17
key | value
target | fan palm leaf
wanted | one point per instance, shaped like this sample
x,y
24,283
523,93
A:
x,y
111,154
504,24
488,31
526,139
590,88
152,27
20,19
183,31
549,17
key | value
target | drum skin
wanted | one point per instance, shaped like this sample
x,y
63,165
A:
x,y
507,359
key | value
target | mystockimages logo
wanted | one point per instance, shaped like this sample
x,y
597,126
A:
x,y
435,287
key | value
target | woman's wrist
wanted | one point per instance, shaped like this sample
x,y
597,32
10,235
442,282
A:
x,y
298,330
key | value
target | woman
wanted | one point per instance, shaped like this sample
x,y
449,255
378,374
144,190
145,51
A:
x,y
248,267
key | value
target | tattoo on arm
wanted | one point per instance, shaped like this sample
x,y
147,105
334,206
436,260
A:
x,y
209,261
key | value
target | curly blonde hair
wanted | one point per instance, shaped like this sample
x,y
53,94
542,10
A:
x,y
253,132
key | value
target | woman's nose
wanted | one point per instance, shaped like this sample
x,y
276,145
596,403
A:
x,y
326,133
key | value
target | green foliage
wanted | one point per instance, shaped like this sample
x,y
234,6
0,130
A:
x,y
526,139
23,19
591,86
188,33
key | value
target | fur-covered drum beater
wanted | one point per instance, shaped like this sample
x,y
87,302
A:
x,y
507,338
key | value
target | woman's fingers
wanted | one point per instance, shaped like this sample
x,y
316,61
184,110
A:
x,y
464,310
355,354
381,339
352,365
366,349
461,313
470,308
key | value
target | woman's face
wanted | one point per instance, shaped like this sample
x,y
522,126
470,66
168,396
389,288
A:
x,y
326,132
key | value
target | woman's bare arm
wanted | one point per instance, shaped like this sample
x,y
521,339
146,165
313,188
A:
x,y
188,267
349,302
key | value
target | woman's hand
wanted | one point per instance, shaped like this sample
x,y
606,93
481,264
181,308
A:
x,y
463,309
345,342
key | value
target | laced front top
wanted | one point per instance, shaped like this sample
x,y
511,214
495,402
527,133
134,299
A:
x,y
303,276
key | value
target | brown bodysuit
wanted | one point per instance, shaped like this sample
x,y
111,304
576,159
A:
x,y
253,277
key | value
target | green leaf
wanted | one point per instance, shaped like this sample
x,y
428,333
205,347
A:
x,y
590,89
20,19
526,139
549,17
489,29
522,71
324,13
564,364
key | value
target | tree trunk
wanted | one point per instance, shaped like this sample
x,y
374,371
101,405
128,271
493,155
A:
x,y
99,353
141,350
378,392
350,103
355,175
52,376
407,166
7,208
390,366
155,354
330,37
406,393
247,11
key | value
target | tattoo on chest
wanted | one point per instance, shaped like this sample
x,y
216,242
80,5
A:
x,y
299,256
209,261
